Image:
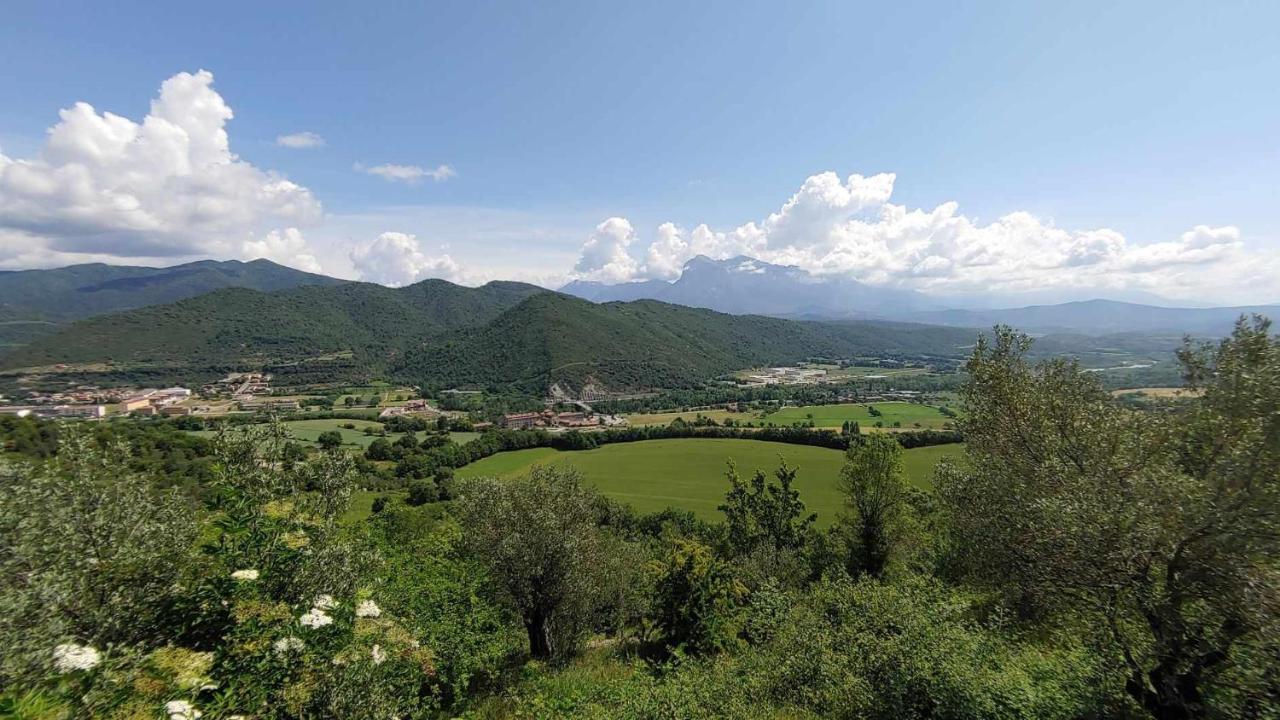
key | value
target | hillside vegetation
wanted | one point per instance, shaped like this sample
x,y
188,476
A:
x,y
436,334
553,338
245,326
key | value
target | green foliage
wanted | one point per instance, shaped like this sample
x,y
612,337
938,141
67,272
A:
x,y
91,553
696,599
765,514
422,492
329,440
1159,530
538,538
875,500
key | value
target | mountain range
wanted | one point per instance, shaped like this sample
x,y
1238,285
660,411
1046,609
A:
x,y
436,334
36,302
745,285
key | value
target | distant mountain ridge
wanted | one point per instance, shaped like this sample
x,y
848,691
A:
x,y
437,334
1100,317
745,285
34,302
77,291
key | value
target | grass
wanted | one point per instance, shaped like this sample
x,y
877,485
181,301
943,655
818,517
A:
x,y
665,418
833,416
362,504
309,431
689,472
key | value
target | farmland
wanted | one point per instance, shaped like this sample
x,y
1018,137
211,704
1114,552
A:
x,y
689,473
833,416
309,431
665,418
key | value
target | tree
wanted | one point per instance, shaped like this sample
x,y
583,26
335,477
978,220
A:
x,y
1160,530
765,513
329,440
89,550
696,598
422,492
538,538
379,449
875,497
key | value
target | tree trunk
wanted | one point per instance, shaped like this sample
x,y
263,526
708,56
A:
x,y
539,629
1168,696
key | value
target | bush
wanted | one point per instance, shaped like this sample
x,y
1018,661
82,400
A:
x,y
422,492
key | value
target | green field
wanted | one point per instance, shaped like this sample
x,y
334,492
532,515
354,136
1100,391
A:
x,y
665,418
309,431
833,416
689,473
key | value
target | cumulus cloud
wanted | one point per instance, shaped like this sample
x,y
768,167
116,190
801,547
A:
x,y
604,256
408,173
300,140
849,227
165,187
286,247
395,259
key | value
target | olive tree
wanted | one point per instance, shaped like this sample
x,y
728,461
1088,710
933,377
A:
x,y
538,537
1160,530
90,552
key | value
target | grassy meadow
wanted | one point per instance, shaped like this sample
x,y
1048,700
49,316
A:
x,y
833,416
308,431
689,472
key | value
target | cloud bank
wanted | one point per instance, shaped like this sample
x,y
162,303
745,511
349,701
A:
x,y
849,227
167,186
395,259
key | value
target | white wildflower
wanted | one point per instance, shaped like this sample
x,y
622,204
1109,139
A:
x,y
70,656
324,602
378,654
314,618
245,575
181,710
368,609
287,645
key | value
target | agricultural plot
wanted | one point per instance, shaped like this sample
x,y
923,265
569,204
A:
x,y
688,473
665,418
833,416
308,431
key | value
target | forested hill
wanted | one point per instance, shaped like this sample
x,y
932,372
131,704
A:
x,y
438,334
642,344
79,291
236,326
34,303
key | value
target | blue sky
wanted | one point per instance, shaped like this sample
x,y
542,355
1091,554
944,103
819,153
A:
x,y
1148,120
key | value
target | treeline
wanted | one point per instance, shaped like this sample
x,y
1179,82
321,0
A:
x,y
424,460
713,395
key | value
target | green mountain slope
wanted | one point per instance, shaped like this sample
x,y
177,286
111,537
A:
x,y
437,334
239,326
79,291
36,302
553,338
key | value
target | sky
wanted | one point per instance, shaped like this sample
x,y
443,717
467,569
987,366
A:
x,y
1089,149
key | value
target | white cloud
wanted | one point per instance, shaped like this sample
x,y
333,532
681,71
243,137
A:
x,y
286,247
604,256
300,140
165,187
408,173
395,259
851,228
